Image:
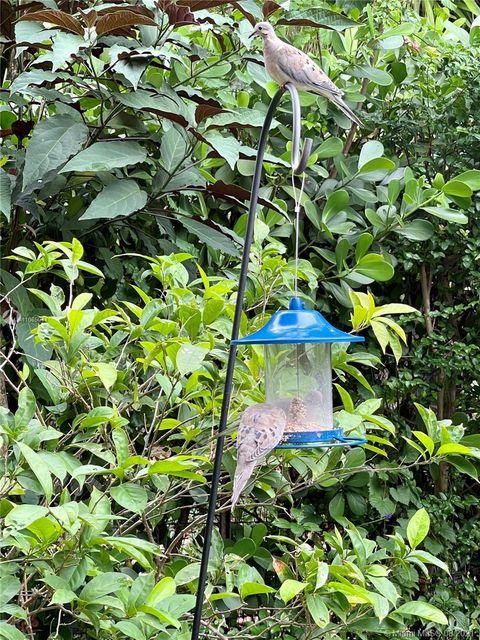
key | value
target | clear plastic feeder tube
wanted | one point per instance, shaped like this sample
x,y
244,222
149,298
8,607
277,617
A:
x,y
298,378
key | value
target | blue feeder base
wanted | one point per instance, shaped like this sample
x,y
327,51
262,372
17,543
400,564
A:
x,y
318,440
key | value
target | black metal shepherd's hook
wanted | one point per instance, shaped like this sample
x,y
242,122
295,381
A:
x,y
299,162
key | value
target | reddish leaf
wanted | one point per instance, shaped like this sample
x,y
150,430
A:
x,y
236,194
200,5
6,28
206,111
121,19
57,18
89,18
177,15
249,16
269,7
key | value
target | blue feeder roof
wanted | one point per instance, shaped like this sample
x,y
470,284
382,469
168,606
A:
x,y
295,326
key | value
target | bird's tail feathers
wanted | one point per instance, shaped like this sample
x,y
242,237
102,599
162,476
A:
x,y
345,109
242,476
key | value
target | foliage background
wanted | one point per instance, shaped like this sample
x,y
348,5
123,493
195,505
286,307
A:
x,y
129,137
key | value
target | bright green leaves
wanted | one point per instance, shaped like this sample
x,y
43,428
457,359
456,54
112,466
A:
x,y
418,527
367,314
423,610
52,144
290,589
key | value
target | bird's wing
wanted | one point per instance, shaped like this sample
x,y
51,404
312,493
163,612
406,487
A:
x,y
301,69
261,429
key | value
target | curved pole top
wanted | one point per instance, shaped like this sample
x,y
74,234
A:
x,y
299,160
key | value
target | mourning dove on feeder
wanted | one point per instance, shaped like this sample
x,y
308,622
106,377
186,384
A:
x,y
261,429
285,63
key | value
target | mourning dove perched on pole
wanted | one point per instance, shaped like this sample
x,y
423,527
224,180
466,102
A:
x,y
285,63
261,429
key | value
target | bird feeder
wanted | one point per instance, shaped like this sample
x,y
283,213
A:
x,y
298,375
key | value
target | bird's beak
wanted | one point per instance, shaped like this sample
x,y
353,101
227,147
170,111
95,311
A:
x,y
252,35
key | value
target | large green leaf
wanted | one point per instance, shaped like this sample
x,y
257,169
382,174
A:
x,y
227,146
447,214
5,194
120,198
417,528
319,17
53,141
173,149
418,230
375,266
38,469
290,589
369,151
423,610
102,585
131,496
210,236
318,609
103,156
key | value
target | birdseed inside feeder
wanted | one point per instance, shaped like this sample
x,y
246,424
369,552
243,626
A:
x,y
298,374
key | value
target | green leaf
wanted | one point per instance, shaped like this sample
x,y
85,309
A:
x,y
447,214
64,46
26,408
9,632
457,188
378,76
377,165
102,585
130,496
290,589
428,558
254,588
103,156
53,141
386,588
120,198
38,468
5,194
190,358
418,230
329,148
319,17
369,151
106,372
474,36
470,178
227,146
22,515
163,589
336,202
130,629
418,527
210,236
173,149
422,610
375,266
452,447
318,610
9,587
